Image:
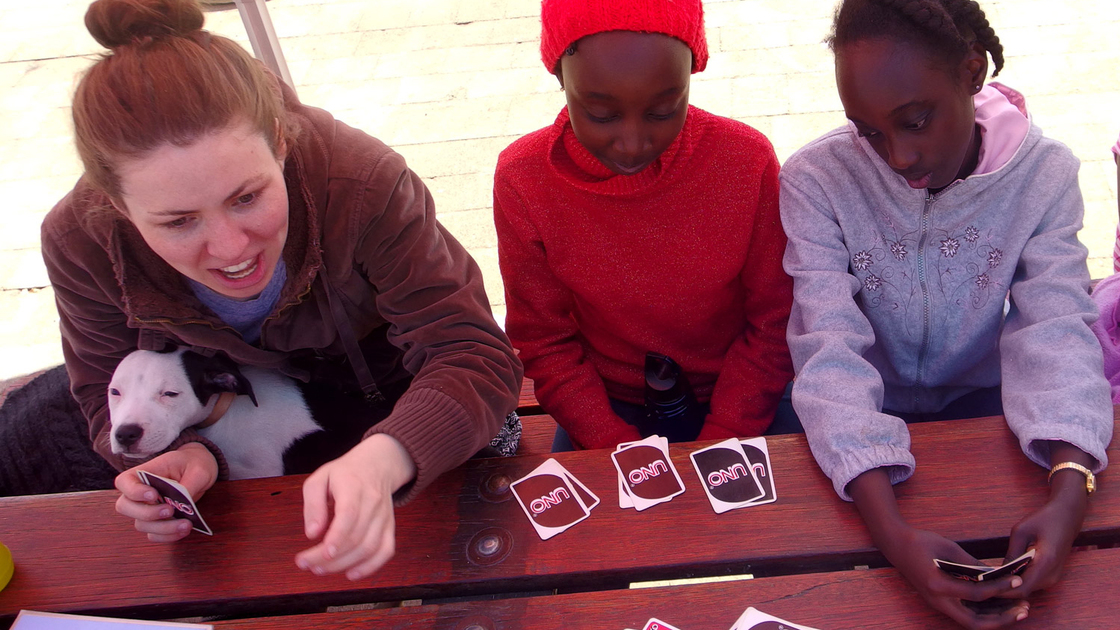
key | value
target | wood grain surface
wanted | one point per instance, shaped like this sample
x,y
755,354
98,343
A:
x,y
74,553
876,599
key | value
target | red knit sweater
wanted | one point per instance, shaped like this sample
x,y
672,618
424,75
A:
x,y
683,258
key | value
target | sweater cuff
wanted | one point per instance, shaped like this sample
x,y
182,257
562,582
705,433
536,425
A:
x,y
192,435
438,433
898,462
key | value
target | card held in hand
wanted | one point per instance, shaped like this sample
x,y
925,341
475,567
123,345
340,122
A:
x,y
175,495
549,499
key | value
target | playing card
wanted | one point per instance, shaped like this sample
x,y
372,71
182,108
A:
x,y
178,498
726,476
754,619
982,572
624,500
647,472
1011,568
585,495
759,457
549,499
656,624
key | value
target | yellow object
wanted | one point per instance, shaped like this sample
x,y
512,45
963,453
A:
x,y
6,566
1090,479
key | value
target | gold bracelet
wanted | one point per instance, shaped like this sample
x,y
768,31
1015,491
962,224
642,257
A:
x,y
1090,478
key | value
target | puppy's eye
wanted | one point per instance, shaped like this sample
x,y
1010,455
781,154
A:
x,y
171,394
113,391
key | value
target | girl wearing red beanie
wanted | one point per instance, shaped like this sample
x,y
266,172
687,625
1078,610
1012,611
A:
x,y
637,224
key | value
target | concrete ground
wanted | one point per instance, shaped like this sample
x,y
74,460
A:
x,y
449,83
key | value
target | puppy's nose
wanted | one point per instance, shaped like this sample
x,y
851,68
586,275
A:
x,y
129,434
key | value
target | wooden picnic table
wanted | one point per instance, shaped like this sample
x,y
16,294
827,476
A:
x,y
875,599
467,538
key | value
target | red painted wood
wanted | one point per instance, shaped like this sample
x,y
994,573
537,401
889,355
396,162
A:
x,y
537,433
73,553
527,403
878,599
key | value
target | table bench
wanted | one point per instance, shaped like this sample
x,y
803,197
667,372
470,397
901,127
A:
x,y
73,553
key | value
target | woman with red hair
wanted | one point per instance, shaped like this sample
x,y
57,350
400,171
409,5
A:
x,y
219,213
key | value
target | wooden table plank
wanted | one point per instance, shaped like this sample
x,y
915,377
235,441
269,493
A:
x,y
74,553
527,404
877,599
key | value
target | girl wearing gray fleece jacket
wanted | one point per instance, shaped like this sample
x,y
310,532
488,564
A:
x,y
933,246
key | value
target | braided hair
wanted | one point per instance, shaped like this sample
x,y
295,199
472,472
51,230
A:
x,y
945,27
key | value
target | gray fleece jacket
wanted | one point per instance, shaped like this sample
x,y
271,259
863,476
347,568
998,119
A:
x,y
908,301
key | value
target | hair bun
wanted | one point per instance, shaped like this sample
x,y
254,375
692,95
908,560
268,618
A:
x,y
115,23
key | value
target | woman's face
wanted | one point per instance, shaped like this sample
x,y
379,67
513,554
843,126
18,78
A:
x,y
917,115
215,210
627,96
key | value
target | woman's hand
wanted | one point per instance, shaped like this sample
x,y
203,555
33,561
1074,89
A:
x,y
361,483
912,552
1052,529
192,465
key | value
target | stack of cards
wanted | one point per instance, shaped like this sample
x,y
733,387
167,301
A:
x,y
178,498
553,498
980,572
735,474
646,475
752,619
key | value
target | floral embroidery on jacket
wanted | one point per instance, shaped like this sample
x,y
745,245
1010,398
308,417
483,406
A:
x,y
959,269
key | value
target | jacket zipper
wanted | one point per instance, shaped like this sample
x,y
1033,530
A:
x,y
923,350
923,281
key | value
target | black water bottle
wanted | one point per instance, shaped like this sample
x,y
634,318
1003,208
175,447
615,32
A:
x,y
669,397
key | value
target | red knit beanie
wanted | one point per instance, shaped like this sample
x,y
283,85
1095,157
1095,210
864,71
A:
x,y
563,22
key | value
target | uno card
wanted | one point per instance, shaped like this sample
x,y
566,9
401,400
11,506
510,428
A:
x,y
656,624
1014,567
624,500
549,500
647,472
982,572
726,476
970,572
178,498
754,619
759,457
585,495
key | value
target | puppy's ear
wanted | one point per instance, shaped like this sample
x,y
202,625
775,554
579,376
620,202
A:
x,y
214,375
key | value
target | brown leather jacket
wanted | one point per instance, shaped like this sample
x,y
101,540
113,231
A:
x,y
361,226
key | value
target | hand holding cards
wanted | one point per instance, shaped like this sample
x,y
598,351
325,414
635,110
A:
x,y
178,498
984,573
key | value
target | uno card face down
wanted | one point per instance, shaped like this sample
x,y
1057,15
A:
x,y
981,573
754,619
1015,567
647,474
759,457
178,498
726,476
549,500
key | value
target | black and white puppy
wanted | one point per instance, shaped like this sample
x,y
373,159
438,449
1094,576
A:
x,y
268,429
